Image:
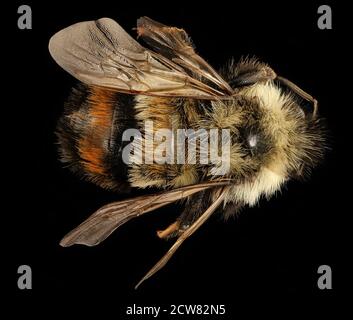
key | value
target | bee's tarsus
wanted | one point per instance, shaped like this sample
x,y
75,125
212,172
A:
x,y
167,232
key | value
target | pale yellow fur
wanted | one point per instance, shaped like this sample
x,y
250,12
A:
x,y
270,178
281,118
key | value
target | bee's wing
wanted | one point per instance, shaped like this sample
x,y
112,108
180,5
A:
x,y
108,218
175,44
222,191
101,53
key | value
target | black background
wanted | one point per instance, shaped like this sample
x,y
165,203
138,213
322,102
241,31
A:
x,y
270,251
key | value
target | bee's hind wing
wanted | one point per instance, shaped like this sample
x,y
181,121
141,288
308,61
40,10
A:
x,y
108,218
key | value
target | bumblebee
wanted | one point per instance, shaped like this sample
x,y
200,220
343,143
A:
x,y
274,135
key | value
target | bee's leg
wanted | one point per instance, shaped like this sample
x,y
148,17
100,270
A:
x,y
170,230
193,209
301,93
248,74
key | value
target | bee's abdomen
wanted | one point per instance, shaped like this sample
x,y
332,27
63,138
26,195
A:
x,y
90,131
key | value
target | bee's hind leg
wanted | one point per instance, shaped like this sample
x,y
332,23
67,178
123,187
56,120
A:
x,y
169,232
194,207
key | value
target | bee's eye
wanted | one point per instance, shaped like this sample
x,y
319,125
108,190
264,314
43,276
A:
x,y
252,141
255,143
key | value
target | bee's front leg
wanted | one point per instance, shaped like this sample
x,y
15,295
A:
x,y
249,72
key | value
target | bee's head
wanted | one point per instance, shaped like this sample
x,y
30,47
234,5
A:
x,y
272,140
